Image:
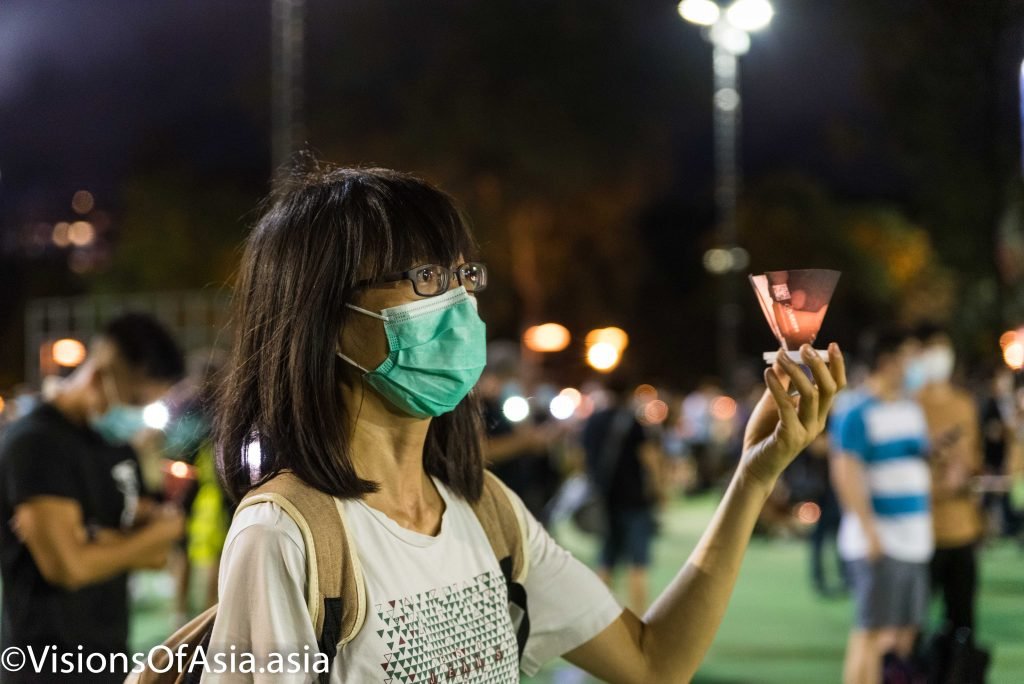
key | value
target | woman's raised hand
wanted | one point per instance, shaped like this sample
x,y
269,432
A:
x,y
783,425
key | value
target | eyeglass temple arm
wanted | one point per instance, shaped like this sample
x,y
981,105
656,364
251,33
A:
x,y
388,278
402,275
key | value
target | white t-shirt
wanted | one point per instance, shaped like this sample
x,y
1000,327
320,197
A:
x,y
437,607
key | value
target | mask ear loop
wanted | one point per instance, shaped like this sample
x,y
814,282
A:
x,y
362,378
345,358
337,349
368,313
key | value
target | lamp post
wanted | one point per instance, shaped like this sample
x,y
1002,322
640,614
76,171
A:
x,y
287,48
728,30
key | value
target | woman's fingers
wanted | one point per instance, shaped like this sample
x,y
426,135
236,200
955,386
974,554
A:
x,y
780,372
803,417
837,365
787,412
808,411
823,379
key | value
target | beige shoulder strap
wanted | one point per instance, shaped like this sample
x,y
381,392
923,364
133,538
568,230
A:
x,y
334,578
504,525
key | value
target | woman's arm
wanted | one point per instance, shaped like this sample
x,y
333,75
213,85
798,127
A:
x,y
669,643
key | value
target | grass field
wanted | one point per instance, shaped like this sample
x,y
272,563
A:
x,y
776,631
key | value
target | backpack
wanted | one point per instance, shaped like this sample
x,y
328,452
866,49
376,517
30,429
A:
x,y
583,497
335,592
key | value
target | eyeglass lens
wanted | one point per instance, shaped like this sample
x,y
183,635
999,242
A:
x,y
431,280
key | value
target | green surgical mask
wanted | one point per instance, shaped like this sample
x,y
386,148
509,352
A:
x,y
437,348
119,423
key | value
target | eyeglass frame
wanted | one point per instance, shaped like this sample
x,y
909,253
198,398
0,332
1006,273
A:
x,y
398,276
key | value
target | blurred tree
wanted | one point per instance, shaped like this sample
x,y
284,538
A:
x,y
891,269
550,122
944,74
175,232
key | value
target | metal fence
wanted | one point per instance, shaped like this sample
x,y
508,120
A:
x,y
197,319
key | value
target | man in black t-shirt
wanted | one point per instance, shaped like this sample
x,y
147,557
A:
x,y
73,521
625,463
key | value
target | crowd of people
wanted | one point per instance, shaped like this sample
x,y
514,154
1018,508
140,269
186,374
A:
x,y
913,477
913,474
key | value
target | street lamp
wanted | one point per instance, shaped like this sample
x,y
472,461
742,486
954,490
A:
x,y
1012,344
68,352
287,48
728,31
605,347
549,337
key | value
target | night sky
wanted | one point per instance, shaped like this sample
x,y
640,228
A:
x,y
94,94
86,87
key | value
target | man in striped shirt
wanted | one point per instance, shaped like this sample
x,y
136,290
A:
x,y
881,475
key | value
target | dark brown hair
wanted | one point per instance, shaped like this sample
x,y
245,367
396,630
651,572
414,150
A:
x,y
322,231
146,345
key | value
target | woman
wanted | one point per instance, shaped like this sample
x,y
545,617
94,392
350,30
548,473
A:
x,y
352,368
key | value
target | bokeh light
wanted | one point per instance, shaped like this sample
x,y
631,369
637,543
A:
x,y
655,412
179,469
1013,355
82,202
733,39
156,415
603,357
549,337
81,233
645,393
562,407
573,394
718,261
750,15
723,408
808,512
700,12
68,352
1007,338
616,337
61,238
516,409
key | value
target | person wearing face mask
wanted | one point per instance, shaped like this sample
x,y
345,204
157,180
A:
x,y
359,340
956,457
75,520
880,472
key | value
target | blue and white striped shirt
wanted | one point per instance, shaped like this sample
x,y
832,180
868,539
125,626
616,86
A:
x,y
891,439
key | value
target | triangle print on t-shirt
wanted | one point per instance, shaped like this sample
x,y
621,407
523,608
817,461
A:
x,y
457,633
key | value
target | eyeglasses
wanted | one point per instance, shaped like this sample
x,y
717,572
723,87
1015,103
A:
x,y
430,280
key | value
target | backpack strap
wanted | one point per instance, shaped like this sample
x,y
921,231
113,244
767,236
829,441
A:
x,y
505,527
335,592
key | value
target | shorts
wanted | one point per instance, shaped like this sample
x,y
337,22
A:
x,y
630,533
888,592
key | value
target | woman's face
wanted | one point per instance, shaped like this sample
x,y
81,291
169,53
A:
x,y
363,339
